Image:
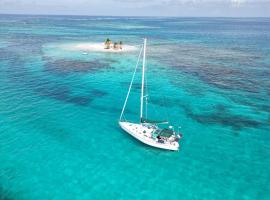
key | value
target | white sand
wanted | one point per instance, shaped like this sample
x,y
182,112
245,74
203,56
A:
x,y
97,47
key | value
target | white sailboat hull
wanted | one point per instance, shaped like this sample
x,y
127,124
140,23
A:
x,y
144,134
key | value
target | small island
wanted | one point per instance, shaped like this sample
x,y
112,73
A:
x,y
107,46
115,46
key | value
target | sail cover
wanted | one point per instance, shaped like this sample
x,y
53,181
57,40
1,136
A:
x,y
149,121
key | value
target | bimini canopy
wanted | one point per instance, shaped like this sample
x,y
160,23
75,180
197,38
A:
x,y
149,121
166,132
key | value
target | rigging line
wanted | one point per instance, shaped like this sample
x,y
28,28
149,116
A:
x,y
124,118
146,91
129,89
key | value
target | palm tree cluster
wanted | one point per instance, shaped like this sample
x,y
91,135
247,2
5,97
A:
x,y
116,45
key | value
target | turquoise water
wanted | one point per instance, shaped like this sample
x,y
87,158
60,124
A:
x,y
59,137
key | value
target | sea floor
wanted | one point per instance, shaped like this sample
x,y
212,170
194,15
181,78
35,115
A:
x,y
59,109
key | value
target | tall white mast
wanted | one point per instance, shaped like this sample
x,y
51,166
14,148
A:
x,y
143,68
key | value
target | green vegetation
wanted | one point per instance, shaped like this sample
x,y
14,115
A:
x,y
116,45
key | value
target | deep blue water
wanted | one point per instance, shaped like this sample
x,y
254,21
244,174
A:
x,y
59,136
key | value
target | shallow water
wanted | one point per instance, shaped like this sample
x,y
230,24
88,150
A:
x,y
59,137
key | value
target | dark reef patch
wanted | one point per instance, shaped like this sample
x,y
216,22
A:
x,y
5,195
17,72
110,60
167,103
98,93
222,77
195,91
227,68
79,100
221,116
25,44
135,86
220,108
61,67
239,73
6,55
7,173
65,67
63,93
258,104
113,110
20,76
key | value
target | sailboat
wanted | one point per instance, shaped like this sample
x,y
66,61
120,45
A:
x,y
146,130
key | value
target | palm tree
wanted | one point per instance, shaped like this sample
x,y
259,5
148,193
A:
x,y
115,46
108,43
120,44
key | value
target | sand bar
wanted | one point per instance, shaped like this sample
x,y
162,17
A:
x,y
97,47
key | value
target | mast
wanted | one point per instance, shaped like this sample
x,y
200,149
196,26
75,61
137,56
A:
x,y
143,68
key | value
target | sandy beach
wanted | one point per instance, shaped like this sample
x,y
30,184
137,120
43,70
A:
x,y
97,47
